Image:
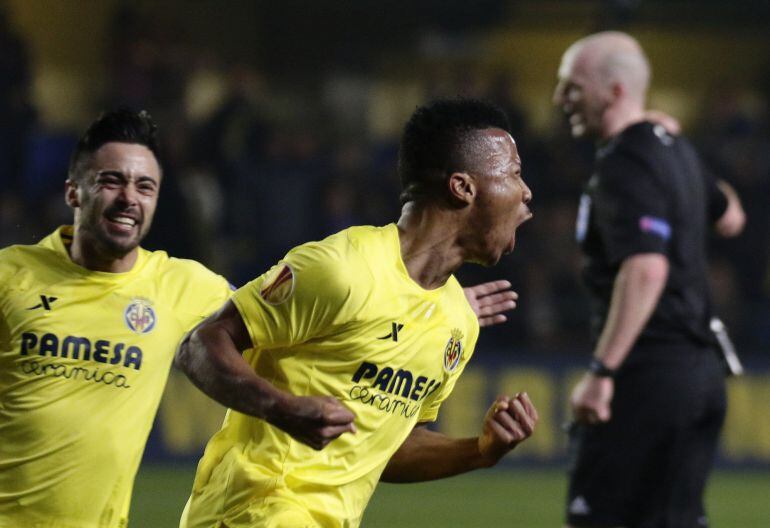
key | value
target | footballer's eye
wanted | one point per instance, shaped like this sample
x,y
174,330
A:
x,y
108,180
147,187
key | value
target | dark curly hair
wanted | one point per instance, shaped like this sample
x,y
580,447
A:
x,y
438,140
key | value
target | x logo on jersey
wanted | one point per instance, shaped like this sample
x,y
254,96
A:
x,y
395,328
45,302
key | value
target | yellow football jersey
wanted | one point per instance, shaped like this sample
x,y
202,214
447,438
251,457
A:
x,y
339,317
84,357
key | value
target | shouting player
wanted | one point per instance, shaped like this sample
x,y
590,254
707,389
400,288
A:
x,y
334,361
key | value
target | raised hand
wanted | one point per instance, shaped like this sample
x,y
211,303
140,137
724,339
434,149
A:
x,y
313,420
508,422
490,299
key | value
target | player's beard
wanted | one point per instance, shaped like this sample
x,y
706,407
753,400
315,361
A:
x,y
93,227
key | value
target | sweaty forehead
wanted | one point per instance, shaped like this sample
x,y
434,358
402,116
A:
x,y
131,159
494,145
500,140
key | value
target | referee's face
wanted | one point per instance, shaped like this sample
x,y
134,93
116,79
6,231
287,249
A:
x,y
115,199
581,95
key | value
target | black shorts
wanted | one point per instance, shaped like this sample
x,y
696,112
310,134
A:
x,y
647,467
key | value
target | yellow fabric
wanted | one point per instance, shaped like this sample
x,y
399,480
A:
x,y
328,329
78,387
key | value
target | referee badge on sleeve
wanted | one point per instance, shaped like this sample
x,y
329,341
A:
x,y
278,284
655,226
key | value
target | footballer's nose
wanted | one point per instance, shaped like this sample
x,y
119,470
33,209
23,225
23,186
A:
x,y
129,194
526,196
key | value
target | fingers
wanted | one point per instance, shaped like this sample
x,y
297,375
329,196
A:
x,y
491,287
493,320
330,432
335,413
505,428
513,419
522,418
499,297
529,407
481,292
490,308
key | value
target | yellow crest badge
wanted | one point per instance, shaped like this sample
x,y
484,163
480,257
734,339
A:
x,y
453,351
140,316
278,284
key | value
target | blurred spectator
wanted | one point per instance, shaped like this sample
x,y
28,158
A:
x,y
16,113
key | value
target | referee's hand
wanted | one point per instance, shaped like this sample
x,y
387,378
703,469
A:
x,y
591,399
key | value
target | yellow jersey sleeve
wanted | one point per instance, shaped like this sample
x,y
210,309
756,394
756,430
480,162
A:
x,y
198,292
302,297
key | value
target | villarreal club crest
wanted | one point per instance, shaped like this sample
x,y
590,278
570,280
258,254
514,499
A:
x,y
140,316
453,352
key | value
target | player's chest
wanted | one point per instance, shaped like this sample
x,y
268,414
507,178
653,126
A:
x,y
73,322
422,338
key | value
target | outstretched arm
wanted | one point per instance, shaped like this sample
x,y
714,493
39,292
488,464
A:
x,y
428,455
490,299
211,357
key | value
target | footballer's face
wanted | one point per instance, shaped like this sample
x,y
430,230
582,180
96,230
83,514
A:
x,y
115,198
581,94
501,204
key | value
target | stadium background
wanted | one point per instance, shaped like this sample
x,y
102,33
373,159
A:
x,y
280,123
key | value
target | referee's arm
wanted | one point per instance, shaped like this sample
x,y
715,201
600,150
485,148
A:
x,y
635,294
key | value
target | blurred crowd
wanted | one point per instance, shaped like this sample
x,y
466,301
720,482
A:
x,y
253,166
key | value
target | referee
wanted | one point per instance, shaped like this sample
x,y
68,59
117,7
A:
x,y
649,410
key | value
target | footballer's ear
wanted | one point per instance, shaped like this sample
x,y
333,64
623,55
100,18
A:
x,y
71,195
462,188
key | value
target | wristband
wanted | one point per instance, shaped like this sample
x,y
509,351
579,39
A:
x,y
599,369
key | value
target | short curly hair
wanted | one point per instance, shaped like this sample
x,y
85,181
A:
x,y
438,140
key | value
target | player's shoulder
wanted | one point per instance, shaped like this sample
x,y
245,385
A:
x,y
179,271
634,155
646,140
346,248
459,298
339,266
20,256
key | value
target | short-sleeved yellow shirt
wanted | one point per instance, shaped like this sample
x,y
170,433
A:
x,y
84,358
339,317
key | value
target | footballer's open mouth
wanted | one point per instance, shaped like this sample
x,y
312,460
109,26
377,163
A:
x,y
521,220
121,221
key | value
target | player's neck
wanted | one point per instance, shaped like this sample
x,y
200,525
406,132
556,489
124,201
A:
x,y
616,120
86,253
429,246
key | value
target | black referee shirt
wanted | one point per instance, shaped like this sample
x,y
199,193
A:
x,y
651,194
